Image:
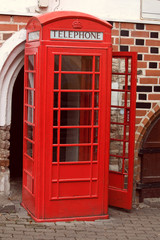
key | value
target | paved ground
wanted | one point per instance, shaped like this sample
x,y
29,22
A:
x,y
139,224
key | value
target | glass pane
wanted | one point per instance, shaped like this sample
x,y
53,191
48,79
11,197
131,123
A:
x,y
127,133
125,181
96,99
56,80
95,135
95,153
117,98
55,118
75,135
118,65
31,97
29,131
116,148
30,82
96,117
126,149
126,162
31,62
96,82
76,100
117,115
54,154
129,64
76,117
77,63
128,96
29,149
75,154
97,64
55,136
30,117
76,81
117,131
56,62
115,164
118,82
55,100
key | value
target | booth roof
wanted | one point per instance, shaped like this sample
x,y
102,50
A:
x,y
51,16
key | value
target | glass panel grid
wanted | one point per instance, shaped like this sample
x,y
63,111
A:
x,y
29,122
75,112
120,117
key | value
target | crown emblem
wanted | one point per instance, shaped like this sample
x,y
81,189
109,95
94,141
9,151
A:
x,y
77,24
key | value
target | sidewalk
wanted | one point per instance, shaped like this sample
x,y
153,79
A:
x,y
138,224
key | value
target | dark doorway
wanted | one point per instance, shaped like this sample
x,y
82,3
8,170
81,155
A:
x,y
149,186
16,139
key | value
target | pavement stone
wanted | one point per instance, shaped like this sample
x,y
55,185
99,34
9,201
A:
x,y
142,223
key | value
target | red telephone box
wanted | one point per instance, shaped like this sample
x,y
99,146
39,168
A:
x,y
67,117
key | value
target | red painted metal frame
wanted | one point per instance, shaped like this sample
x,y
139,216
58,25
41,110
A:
x,y
57,200
119,194
41,206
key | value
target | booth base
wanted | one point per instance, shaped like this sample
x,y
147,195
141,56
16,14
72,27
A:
x,y
83,218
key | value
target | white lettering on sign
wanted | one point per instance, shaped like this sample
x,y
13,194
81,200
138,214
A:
x,y
32,36
77,35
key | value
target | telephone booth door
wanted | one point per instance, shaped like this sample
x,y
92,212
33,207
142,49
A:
x,y
75,143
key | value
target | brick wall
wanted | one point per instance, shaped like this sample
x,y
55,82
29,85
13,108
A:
x,y
144,39
10,24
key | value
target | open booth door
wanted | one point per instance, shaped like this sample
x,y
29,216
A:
x,y
123,99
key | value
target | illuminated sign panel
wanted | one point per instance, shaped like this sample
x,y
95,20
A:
x,y
32,36
76,35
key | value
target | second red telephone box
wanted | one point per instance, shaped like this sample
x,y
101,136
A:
x,y
67,117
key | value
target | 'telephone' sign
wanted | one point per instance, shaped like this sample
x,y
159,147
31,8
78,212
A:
x,y
77,35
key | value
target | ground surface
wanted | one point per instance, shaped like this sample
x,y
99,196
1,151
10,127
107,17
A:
x,y
141,223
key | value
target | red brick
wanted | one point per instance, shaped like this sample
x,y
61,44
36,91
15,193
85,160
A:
x,y
127,26
153,73
112,40
141,112
117,40
148,80
128,41
5,18
116,25
139,49
150,113
21,19
153,27
153,96
145,121
142,64
152,42
152,57
8,27
114,48
138,120
139,34
155,106
21,26
6,36
115,32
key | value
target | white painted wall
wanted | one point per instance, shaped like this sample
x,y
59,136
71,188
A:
x,y
104,9
16,6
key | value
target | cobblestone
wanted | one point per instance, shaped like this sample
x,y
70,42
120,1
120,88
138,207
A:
x,y
139,224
